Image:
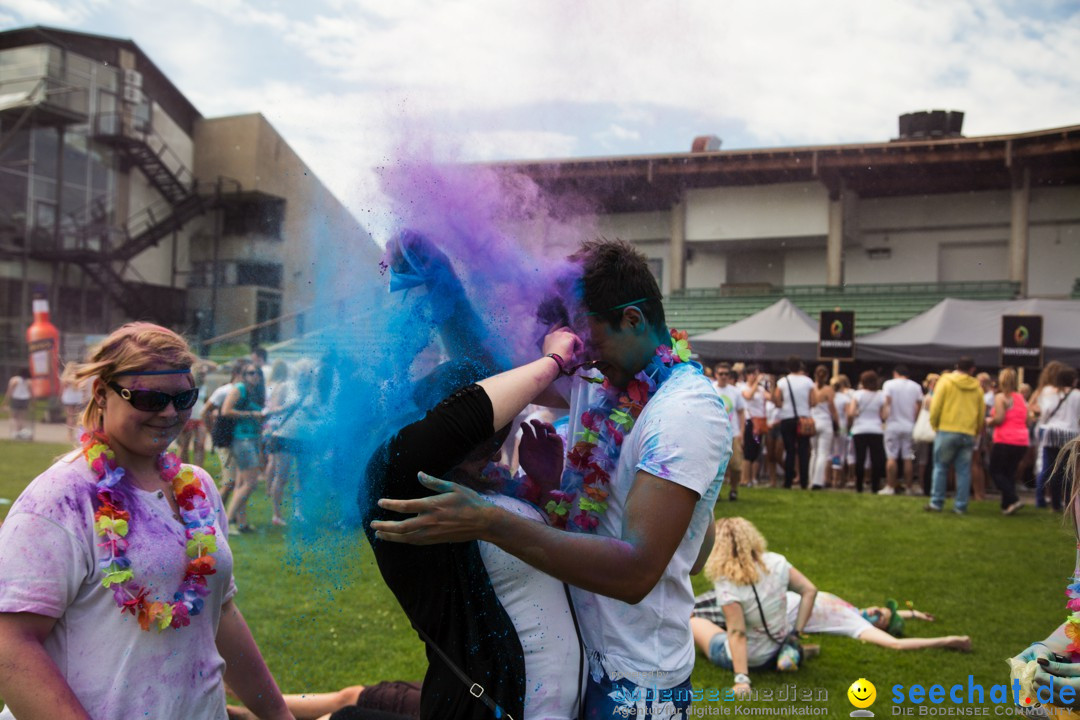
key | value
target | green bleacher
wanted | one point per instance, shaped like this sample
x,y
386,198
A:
x,y
876,306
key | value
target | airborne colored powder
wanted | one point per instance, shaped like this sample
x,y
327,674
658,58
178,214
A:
x,y
507,243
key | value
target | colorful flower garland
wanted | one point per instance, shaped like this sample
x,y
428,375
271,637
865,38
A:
x,y
592,459
112,522
1072,622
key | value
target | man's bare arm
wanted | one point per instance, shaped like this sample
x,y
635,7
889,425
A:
x,y
625,568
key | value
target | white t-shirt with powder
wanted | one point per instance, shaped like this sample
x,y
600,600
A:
x,y
682,436
771,590
116,670
540,611
734,401
831,614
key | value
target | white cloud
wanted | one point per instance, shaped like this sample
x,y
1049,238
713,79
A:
x,y
46,12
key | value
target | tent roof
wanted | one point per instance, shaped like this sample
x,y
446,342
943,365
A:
x,y
775,333
973,327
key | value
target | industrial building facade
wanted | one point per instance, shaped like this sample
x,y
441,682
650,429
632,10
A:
x,y
118,200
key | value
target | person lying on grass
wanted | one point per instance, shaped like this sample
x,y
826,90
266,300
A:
x,y
833,615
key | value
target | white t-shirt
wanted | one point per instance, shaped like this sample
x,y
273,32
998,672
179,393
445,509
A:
x,y
116,670
217,398
905,399
1068,415
867,420
841,402
538,607
734,401
681,436
831,614
771,589
755,406
801,386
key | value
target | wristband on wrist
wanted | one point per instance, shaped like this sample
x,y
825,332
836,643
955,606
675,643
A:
x,y
742,679
558,361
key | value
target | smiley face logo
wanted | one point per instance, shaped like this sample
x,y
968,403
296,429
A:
x,y
862,693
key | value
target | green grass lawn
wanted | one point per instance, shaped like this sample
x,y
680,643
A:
x,y
325,620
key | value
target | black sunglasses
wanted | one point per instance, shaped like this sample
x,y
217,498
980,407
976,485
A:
x,y
154,401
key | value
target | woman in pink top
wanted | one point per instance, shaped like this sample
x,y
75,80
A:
x,y
1009,420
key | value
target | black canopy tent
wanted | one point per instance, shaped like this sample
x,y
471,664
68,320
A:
x,y
973,327
773,334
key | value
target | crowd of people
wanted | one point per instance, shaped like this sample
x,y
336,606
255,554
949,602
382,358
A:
x,y
137,613
819,432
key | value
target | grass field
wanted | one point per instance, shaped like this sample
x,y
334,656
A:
x,y
324,619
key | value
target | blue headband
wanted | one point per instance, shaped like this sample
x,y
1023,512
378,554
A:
x,y
177,371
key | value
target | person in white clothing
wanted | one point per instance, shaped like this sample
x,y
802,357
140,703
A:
x,y
826,422
751,587
866,413
843,462
756,429
17,398
903,399
792,396
735,406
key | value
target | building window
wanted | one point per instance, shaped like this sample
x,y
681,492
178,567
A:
x,y
261,274
256,218
267,307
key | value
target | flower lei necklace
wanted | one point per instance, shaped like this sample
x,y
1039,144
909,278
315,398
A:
x,y
1072,622
112,522
592,459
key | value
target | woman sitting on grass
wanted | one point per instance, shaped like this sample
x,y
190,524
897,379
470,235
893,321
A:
x,y
751,588
115,570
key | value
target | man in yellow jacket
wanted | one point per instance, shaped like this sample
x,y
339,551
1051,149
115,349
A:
x,y
957,414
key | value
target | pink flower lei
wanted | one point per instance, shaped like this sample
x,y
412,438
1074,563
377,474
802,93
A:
x,y
595,454
113,522
1072,621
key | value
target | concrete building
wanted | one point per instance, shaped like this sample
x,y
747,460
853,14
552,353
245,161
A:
x,y
902,222
119,200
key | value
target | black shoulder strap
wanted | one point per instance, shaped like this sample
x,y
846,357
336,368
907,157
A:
x,y
761,612
475,689
1058,407
794,409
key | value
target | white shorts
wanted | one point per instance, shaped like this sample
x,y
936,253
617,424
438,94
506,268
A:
x,y
899,445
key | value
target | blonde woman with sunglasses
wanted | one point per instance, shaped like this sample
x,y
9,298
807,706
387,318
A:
x,y
116,590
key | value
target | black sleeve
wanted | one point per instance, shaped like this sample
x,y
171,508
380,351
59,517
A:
x,y
445,589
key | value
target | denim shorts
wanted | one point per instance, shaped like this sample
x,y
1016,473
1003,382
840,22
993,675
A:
x,y
718,652
607,699
244,453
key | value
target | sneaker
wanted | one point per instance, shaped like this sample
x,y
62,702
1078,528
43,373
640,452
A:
x,y
958,511
931,507
733,496
886,491
915,490
1013,508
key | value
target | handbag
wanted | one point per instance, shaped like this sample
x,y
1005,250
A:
x,y
760,425
806,426
923,432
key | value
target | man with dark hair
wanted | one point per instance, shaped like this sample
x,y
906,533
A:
x,y
792,396
957,415
649,450
903,398
735,406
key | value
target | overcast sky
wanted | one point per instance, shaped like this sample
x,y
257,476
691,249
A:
x,y
347,82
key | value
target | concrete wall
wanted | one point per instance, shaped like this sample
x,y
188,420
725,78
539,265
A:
x,y
316,225
765,211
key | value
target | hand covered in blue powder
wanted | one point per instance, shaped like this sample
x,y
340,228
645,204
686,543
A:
x,y
541,456
457,514
415,260
1058,676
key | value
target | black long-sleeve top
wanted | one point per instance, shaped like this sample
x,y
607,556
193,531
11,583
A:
x,y
445,589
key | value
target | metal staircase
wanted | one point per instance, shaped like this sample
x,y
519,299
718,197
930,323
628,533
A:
x,y
102,249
